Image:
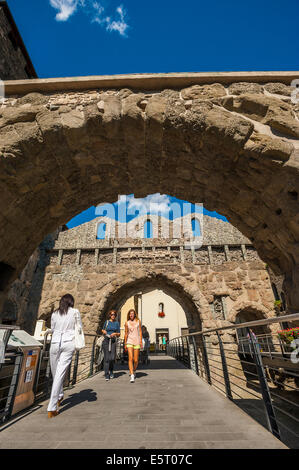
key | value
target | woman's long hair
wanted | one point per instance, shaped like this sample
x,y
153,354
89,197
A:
x,y
109,314
65,303
132,310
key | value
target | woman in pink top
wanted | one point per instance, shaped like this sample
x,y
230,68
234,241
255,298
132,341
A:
x,y
133,341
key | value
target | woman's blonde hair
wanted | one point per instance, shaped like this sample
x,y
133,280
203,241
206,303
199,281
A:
x,y
136,315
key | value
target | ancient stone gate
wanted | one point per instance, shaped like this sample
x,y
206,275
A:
x,y
229,140
213,283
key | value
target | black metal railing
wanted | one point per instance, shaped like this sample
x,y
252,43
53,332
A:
x,y
85,363
259,372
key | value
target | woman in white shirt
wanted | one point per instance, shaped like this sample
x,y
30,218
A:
x,y
62,348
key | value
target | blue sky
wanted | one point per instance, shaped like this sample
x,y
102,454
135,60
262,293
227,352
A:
x,y
100,37
160,36
167,206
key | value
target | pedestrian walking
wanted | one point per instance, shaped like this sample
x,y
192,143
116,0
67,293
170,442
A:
x,y
146,343
253,339
63,324
164,341
111,330
133,341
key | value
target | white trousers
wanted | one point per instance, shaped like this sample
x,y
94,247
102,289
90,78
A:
x,y
60,358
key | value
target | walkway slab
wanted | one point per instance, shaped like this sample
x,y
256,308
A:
x,y
167,407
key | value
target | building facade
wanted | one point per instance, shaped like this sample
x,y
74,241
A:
x,y
159,312
213,284
15,63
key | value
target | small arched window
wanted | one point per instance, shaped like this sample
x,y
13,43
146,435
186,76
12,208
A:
x,y
161,307
195,227
101,231
283,300
148,229
275,292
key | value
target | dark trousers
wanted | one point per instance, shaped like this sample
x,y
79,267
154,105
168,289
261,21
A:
x,y
109,356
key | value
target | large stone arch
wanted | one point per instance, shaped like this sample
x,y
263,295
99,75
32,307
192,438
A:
x,y
234,148
124,286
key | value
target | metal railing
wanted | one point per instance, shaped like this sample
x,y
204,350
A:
x,y
259,372
256,372
9,373
269,344
85,363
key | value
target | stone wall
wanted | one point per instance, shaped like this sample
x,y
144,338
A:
x,y
14,65
16,304
233,146
198,287
212,283
214,231
24,295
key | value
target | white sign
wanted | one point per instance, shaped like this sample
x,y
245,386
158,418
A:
x,y
28,362
29,376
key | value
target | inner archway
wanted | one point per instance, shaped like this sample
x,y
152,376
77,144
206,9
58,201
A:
x,y
118,296
160,313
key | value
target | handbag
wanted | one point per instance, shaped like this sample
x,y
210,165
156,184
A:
x,y
99,341
79,335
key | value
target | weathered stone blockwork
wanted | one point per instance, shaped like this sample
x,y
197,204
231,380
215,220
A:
x,y
102,274
229,143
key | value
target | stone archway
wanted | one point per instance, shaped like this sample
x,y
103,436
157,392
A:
x,y
244,312
194,306
253,308
232,147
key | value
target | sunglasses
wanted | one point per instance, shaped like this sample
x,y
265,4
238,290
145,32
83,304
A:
x,y
113,315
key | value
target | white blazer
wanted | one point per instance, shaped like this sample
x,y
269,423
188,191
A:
x,y
63,326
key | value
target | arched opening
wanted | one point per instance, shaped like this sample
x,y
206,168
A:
x,y
248,315
161,319
101,231
142,295
275,291
261,335
173,290
168,142
161,307
148,229
195,225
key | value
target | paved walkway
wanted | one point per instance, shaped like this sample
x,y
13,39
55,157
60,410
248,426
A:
x,y
167,407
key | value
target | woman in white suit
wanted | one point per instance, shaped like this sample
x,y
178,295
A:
x,y
62,348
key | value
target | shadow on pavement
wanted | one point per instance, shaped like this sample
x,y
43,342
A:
x,y
77,398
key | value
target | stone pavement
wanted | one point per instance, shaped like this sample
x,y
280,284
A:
x,y
168,407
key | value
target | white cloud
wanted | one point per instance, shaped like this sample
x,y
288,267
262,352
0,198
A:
x,y
66,8
121,26
99,9
155,203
